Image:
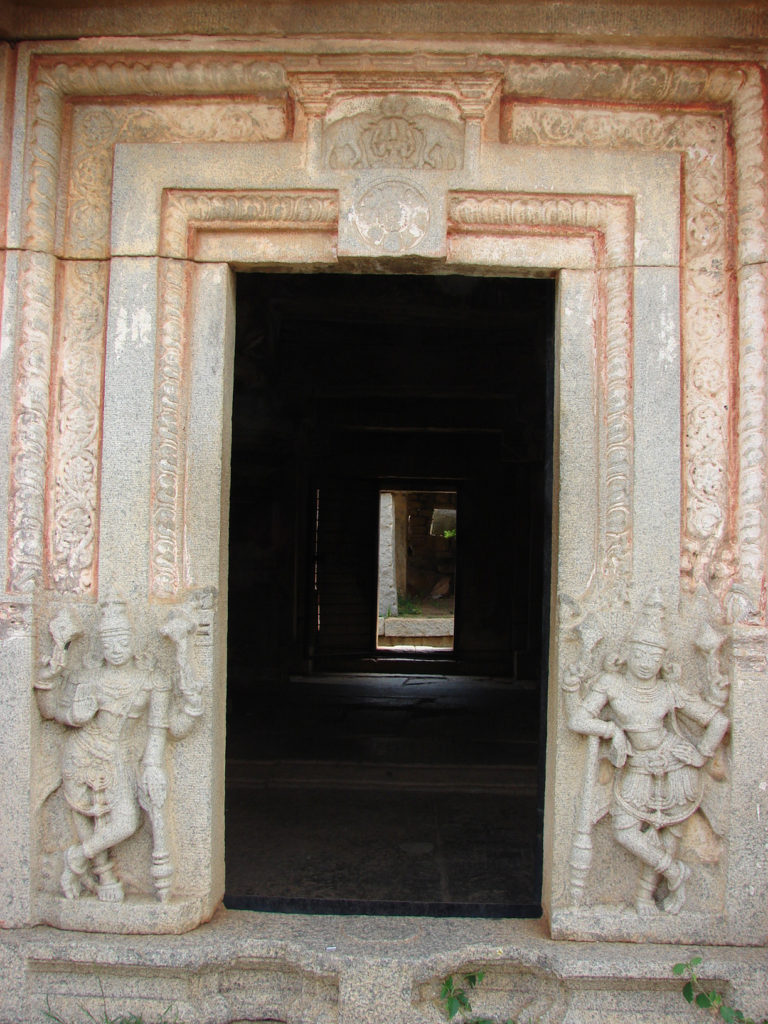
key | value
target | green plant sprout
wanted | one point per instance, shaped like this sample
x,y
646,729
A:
x,y
695,993
455,999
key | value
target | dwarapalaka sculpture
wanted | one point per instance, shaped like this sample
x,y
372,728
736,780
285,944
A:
x,y
660,734
100,702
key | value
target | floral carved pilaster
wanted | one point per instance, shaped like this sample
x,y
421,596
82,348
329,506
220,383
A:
x,y
84,231
29,439
749,131
747,95
45,133
76,435
753,427
723,474
708,328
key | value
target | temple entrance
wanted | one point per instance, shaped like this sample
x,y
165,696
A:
x,y
372,765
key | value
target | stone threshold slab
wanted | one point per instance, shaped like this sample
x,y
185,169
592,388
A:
x,y
408,625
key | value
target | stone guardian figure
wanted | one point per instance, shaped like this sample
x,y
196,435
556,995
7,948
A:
x,y
659,735
101,703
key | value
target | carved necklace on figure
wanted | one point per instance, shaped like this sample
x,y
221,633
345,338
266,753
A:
x,y
644,691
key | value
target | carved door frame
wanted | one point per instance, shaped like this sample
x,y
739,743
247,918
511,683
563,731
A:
x,y
122,237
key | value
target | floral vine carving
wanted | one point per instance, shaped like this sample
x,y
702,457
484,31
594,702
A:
x,y
715,525
97,129
54,80
29,440
707,329
725,521
53,83
168,455
77,428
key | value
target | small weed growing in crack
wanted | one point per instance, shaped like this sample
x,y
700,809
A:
x,y
695,993
454,996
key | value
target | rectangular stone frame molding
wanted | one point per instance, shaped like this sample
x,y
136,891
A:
x,y
131,211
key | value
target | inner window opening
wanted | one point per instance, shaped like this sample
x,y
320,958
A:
x,y
365,774
416,594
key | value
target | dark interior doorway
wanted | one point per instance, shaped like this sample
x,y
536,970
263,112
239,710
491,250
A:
x,y
364,778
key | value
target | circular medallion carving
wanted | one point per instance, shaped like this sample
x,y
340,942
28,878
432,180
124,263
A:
x,y
392,216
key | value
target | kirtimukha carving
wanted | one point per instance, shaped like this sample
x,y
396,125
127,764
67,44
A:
x,y
658,734
397,135
100,701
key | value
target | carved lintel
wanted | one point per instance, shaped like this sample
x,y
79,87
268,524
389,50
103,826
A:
x,y
55,79
97,127
731,92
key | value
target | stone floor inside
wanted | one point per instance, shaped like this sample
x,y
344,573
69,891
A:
x,y
386,794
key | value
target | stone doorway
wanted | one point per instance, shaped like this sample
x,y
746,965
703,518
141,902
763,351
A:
x,y
386,781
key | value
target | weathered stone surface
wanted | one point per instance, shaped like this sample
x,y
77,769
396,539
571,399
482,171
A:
x,y
129,409
656,380
245,966
408,625
9,263
575,19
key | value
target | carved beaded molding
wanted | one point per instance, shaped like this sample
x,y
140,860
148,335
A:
x,y
713,113
609,222
183,213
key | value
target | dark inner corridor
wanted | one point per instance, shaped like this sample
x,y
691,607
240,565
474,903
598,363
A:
x,y
368,780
